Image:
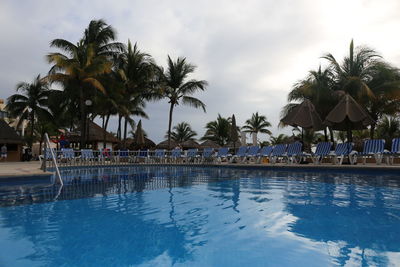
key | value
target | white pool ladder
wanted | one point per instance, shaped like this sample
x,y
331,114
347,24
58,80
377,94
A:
x,y
53,157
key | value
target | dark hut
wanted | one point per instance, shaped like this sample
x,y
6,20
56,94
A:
x,y
164,144
348,115
189,144
12,140
95,138
209,143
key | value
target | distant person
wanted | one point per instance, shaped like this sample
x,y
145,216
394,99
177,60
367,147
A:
x,y
3,153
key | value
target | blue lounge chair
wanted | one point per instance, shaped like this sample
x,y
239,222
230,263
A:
x,y
394,152
343,150
223,153
159,156
207,154
123,155
67,155
87,155
294,152
323,149
240,154
191,155
279,151
373,148
265,152
252,153
143,155
176,155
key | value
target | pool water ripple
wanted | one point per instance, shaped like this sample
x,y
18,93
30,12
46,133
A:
x,y
193,216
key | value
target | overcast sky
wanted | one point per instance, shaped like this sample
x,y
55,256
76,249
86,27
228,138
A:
x,y
250,52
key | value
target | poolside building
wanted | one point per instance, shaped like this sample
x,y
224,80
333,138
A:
x,y
95,138
12,140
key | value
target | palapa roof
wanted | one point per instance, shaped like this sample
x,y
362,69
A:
x,y
189,144
8,135
96,134
209,143
305,116
348,114
164,144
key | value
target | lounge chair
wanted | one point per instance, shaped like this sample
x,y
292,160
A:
x,y
87,155
343,150
294,152
123,155
67,155
207,154
142,156
373,148
252,154
191,155
394,152
176,155
279,151
265,152
223,153
323,150
159,156
240,155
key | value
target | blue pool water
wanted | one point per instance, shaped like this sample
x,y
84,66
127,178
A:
x,y
202,216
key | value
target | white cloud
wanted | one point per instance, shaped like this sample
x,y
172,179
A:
x,y
251,52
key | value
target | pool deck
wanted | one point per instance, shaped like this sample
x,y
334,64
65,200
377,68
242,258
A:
x,y
29,169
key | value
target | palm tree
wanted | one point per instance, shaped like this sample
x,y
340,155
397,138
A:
x,y
318,88
136,71
257,124
388,128
31,104
177,89
280,139
218,130
368,79
80,68
182,132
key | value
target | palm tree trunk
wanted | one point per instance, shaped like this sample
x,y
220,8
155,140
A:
x,y
254,138
32,129
326,135
331,135
83,118
171,109
119,135
372,131
105,129
125,131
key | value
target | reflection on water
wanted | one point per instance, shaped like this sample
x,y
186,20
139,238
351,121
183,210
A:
x,y
169,215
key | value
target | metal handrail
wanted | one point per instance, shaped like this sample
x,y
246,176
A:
x,y
53,157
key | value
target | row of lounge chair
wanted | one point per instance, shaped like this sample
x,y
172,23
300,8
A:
x,y
289,153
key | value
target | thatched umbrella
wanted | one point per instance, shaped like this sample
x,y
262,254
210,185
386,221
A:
x,y
190,144
348,115
139,136
234,136
164,144
305,116
209,143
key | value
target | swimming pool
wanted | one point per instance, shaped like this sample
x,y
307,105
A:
x,y
203,216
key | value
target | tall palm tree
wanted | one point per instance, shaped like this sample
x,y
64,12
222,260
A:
x,y
218,130
182,132
31,103
136,71
388,128
257,124
80,68
368,79
177,89
318,88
